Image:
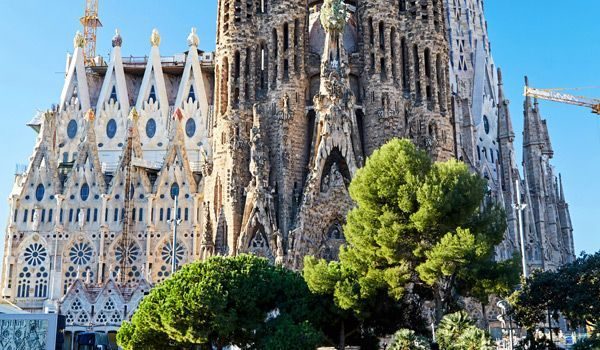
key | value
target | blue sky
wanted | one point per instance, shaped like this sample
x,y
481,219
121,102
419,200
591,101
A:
x,y
555,44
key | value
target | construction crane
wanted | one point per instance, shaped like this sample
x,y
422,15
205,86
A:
x,y
91,23
557,96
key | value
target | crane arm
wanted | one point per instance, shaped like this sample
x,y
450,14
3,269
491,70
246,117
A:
x,y
554,95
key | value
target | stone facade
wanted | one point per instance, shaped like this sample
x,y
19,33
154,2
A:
x,y
257,145
485,140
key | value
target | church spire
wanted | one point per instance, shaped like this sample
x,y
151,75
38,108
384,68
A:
x,y
535,132
505,127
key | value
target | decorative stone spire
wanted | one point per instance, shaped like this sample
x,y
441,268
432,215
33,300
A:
x,y
193,39
561,188
333,16
505,127
78,40
155,38
117,40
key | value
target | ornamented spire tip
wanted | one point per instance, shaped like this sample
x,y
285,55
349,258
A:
x,y
117,40
78,40
155,38
193,39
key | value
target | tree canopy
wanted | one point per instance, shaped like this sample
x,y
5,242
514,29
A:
x,y
222,301
419,228
458,332
572,291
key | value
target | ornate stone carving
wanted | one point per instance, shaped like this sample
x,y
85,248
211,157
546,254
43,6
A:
x,y
78,40
333,16
117,40
193,39
155,38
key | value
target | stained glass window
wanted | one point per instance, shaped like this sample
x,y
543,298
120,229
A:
x,y
111,128
150,128
486,124
174,190
132,251
35,254
190,127
113,94
85,192
152,95
39,192
192,94
72,129
80,254
167,253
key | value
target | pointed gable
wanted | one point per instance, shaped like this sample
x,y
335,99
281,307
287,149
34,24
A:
x,y
43,168
132,152
153,89
176,164
76,84
115,86
87,164
193,87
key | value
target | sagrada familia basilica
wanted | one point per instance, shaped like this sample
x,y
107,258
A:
x,y
257,143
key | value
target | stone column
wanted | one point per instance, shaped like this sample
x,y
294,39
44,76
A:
x,y
197,198
56,265
103,234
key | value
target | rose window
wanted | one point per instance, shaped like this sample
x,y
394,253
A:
x,y
132,251
35,254
80,254
167,253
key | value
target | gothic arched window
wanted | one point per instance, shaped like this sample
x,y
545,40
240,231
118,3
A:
x,y
41,283
486,124
113,94
24,283
192,94
111,128
152,95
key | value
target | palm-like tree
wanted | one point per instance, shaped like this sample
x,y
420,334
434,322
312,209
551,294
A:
x,y
458,332
405,339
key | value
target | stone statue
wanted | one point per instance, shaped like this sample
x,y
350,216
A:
x,y
286,107
280,253
36,220
80,219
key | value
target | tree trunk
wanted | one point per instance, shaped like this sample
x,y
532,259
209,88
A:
x,y
486,324
342,344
